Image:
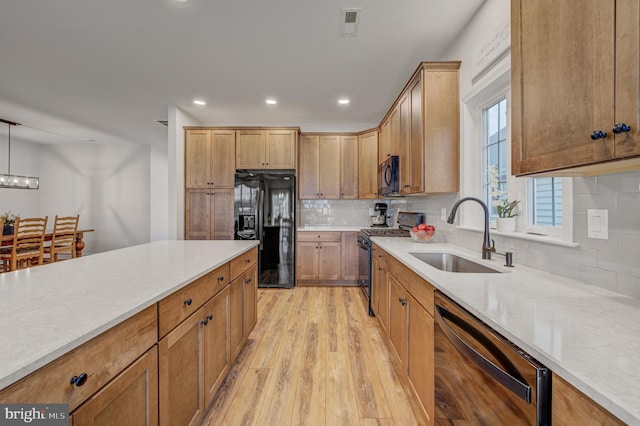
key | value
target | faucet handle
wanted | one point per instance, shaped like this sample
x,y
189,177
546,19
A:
x,y
493,246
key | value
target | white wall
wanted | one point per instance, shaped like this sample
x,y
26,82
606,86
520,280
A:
x,y
25,160
177,120
159,186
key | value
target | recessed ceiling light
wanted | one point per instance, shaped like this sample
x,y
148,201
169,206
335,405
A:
x,y
343,101
271,101
182,1
199,102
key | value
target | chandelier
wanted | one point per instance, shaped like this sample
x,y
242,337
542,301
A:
x,y
15,181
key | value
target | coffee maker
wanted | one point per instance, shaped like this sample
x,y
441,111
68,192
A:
x,y
379,216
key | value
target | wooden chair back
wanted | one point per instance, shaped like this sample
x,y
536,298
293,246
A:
x,y
63,239
28,242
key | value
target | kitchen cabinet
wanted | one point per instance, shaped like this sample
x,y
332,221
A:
x,y
380,286
423,128
398,320
209,214
571,407
266,149
319,256
130,399
568,109
421,356
350,256
243,301
216,343
328,167
368,165
210,158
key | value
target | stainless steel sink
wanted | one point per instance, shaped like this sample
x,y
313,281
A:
x,y
451,263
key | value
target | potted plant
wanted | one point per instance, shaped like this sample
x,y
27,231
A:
x,y
9,221
507,210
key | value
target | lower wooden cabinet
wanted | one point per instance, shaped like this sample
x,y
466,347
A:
x,y
398,320
216,343
571,407
380,293
327,257
236,331
421,355
243,298
249,301
129,399
350,256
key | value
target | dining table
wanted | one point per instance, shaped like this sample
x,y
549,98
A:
x,y
80,244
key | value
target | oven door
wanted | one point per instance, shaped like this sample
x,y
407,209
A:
x,y
364,268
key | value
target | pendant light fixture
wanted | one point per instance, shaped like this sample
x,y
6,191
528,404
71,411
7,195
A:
x,y
14,181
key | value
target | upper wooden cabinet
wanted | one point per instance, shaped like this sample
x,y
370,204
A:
x,y
266,149
368,164
423,128
209,158
575,112
328,167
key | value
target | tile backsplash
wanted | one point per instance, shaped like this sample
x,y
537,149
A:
x,y
613,264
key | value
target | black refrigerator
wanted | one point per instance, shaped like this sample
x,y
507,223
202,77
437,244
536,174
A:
x,y
264,210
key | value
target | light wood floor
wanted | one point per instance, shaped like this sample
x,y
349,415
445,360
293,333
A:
x,y
315,358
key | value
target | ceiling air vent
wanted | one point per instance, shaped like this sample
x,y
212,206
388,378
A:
x,y
350,21
165,123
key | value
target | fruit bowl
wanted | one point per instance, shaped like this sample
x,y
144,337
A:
x,y
423,236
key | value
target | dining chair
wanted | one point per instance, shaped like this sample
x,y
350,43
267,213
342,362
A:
x,y
63,239
28,244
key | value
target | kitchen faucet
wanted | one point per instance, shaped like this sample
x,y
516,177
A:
x,y
488,244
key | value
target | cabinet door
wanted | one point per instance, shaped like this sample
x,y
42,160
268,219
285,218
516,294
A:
x,y
349,167
398,320
197,214
222,214
236,332
329,167
329,259
181,391
383,298
350,256
196,148
559,100
394,132
415,162
384,144
627,109
421,355
368,165
129,399
307,260
281,149
250,300
308,173
404,124
222,162
250,149
375,286
216,343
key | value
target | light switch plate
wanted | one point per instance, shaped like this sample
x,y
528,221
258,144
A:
x,y
598,224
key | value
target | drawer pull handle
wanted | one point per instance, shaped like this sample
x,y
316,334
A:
x,y
209,317
621,127
247,281
205,322
188,302
79,380
598,134
402,301
221,278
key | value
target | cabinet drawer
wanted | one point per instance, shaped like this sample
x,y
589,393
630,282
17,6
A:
x,y
380,256
172,310
420,289
101,359
318,236
243,262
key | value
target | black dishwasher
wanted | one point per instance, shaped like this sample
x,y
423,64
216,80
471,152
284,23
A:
x,y
481,378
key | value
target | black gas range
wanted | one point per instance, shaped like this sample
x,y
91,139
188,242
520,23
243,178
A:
x,y
406,221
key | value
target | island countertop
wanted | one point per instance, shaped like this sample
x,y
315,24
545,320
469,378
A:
x,y
587,335
47,311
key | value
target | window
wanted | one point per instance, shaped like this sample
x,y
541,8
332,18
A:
x,y
495,170
545,201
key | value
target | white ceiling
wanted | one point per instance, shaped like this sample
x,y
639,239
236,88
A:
x,y
105,70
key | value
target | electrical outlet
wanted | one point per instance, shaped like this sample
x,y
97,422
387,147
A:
x,y
443,213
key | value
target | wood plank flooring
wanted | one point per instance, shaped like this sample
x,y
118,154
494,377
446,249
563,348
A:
x,y
314,358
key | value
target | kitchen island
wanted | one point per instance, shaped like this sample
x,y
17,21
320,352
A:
x,y
588,336
55,311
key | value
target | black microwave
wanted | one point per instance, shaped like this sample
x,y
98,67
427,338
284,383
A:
x,y
389,176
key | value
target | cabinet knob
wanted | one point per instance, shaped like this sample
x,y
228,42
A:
x,y
188,302
248,260
79,380
598,134
248,280
402,301
209,317
621,127
221,278
205,322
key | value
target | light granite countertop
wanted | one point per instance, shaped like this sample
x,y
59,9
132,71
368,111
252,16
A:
x,y
47,311
587,335
334,228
